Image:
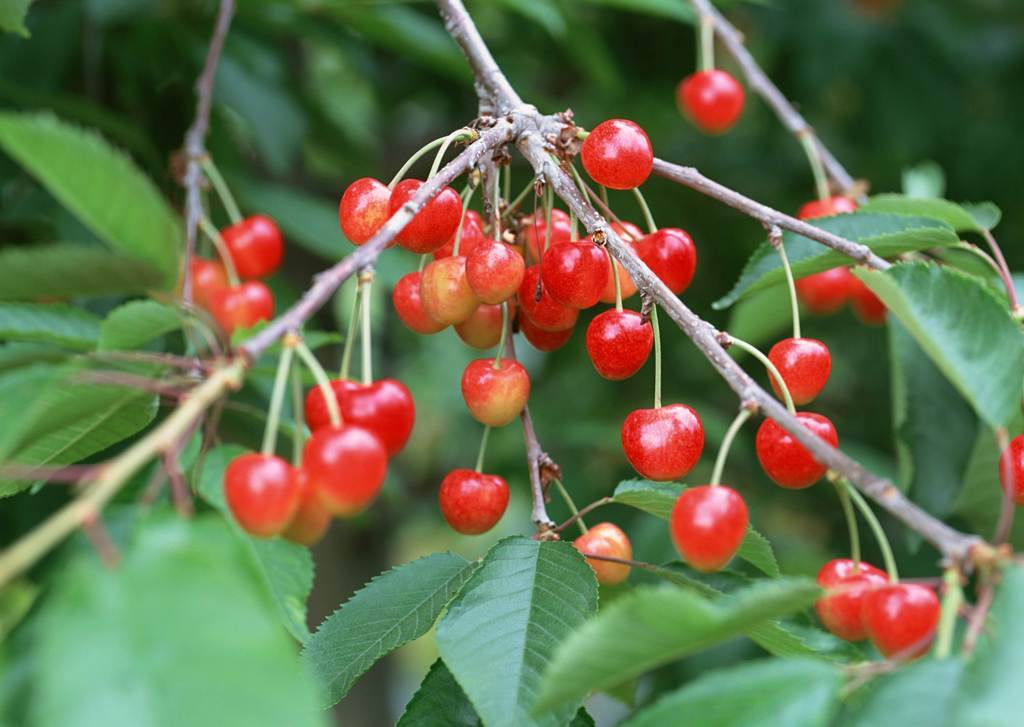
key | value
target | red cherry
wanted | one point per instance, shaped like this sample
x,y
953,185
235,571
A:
x,y
543,340
547,313
472,236
494,271
618,343
1011,469
617,154
784,459
609,540
826,292
346,466
363,209
495,396
827,207
707,524
665,443
866,305
671,255
804,363
262,493
409,305
534,228
311,519
384,407
472,502
482,329
574,273
840,611
432,225
243,306
208,277
255,246
712,100
316,413
901,618
445,291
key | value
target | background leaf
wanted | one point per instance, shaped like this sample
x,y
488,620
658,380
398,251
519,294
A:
x,y
439,701
12,16
55,323
921,693
959,218
63,270
135,324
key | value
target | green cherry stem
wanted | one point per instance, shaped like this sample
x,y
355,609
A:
x,y
657,350
277,398
774,372
572,505
603,191
506,180
645,210
496,204
333,411
424,258
952,599
462,220
350,335
775,235
574,226
457,135
514,204
549,203
365,290
213,233
814,157
876,529
483,449
419,154
851,524
226,198
723,450
706,44
298,439
615,278
504,336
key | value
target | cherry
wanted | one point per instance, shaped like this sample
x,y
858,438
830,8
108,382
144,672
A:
x,y
826,292
385,408
346,466
482,329
472,502
708,524
472,236
1011,469
445,291
784,459
901,618
363,209
543,340
208,277
617,154
534,230
495,271
609,540
431,227
840,611
868,307
712,99
671,255
827,207
242,306
255,246
618,343
574,273
409,305
804,363
665,443
311,519
495,396
547,313
262,493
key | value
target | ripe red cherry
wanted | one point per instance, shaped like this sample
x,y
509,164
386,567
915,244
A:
x,y
827,207
208,277
534,227
617,154
472,235
346,466
494,271
840,611
311,519
901,618
606,539
866,305
665,443
547,313
804,363
707,524
671,255
363,209
784,459
243,306
1011,469
826,292
495,396
618,343
712,100
434,224
574,273
482,329
543,340
255,246
262,493
472,502
445,291
409,305
384,407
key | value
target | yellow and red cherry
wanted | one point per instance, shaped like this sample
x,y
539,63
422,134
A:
x,y
617,154
495,396
663,443
618,343
445,291
255,246
712,100
208,277
606,539
574,273
409,305
708,524
847,582
262,493
787,462
534,230
472,502
805,364
434,224
363,209
482,329
543,340
494,271
472,235
311,519
346,466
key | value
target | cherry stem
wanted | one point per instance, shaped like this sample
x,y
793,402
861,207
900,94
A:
x,y
277,395
506,180
417,156
603,191
775,239
466,198
298,438
876,529
514,204
504,336
483,449
814,157
1004,270
365,289
583,511
592,197
706,43
223,192
772,371
657,349
574,225
723,450
458,134
333,410
222,249
851,524
645,210
549,203
626,561
350,335
952,600
496,204
423,261
576,514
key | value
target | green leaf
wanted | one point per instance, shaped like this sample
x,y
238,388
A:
x,y
924,180
986,215
657,8
99,185
885,234
439,701
963,327
64,270
960,218
923,693
658,498
654,626
55,323
766,693
285,569
177,634
135,324
16,355
391,610
12,16
499,635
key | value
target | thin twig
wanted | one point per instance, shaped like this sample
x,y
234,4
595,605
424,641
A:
x,y
1003,269
584,511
